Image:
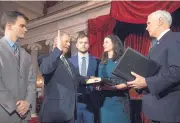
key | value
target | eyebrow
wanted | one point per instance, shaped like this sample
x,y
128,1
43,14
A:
x,y
22,25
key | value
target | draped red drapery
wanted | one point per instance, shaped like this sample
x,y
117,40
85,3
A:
x,y
129,12
125,11
137,11
98,28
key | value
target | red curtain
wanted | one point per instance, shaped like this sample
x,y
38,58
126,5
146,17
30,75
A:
x,y
137,11
141,43
98,28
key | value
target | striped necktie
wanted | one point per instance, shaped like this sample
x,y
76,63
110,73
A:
x,y
17,53
66,64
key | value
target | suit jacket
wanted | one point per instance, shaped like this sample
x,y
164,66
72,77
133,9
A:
x,y
92,70
161,102
90,98
92,66
15,83
60,88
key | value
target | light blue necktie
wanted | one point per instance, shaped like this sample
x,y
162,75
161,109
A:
x,y
83,67
154,43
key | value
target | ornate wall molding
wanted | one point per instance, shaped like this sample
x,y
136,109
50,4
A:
x,y
67,13
71,25
64,6
74,37
34,46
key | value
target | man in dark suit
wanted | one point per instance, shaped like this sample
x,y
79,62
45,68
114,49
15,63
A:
x,y
61,80
161,102
87,66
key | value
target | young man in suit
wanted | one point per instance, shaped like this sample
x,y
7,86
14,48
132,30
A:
x,y
17,79
87,66
61,81
161,102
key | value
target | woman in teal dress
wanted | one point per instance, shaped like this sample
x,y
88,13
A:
x,y
116,107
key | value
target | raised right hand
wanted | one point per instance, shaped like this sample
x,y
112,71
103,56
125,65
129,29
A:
x,y
58,43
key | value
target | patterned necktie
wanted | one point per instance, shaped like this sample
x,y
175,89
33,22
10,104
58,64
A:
x,y
66,64
83,67
17,53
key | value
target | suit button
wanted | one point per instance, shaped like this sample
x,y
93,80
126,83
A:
x,y
21,77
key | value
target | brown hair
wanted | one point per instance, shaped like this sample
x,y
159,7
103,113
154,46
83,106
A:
x,y
11,17
82,35
118,49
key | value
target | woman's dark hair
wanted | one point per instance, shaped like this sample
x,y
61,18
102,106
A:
x,y
118,49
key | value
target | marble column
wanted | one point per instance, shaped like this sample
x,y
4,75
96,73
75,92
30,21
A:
x,y
74,37
34,47
50,43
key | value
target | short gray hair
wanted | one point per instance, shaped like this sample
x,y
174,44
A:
x,y
164,14
61,34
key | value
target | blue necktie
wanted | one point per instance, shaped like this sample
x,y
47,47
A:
x,y
154,43
83,67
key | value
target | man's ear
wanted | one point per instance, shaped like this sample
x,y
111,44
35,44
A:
x,y
161,21
8,26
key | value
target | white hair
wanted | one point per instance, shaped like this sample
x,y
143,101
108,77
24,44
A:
x,y
163,14
61,34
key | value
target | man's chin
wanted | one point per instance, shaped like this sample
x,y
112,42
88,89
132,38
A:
x,y
65,51
21,37
83,51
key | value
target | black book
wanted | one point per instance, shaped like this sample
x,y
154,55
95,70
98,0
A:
x,y
136,62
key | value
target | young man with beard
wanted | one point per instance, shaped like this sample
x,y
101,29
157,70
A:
x,y
87,66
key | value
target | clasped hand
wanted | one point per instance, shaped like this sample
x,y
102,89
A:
x,y
22,108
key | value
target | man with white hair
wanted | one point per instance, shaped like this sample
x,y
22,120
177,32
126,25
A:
x,y
161,102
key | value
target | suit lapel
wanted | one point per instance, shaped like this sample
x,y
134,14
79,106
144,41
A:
x,y
164,36
71,67
76,62
90,65
22,55
9,50
156,48
62,64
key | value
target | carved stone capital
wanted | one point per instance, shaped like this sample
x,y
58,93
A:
x,y
49,42
34,46
74,36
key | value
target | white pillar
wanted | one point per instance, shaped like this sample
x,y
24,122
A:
x,y
50,43
35,47
74,37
